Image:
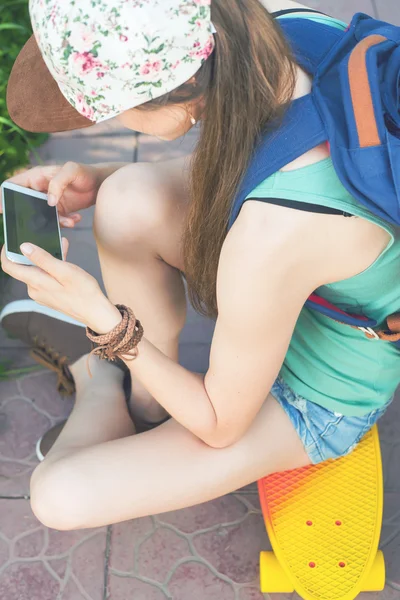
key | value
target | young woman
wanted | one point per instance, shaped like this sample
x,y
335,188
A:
x,y
285,387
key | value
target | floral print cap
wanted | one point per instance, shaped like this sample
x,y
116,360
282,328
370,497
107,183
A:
x,y
108,56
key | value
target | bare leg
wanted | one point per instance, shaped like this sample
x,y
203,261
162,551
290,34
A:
x,y
91,421
138,226
92,478
83,485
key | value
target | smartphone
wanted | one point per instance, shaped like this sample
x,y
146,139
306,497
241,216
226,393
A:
x,y
28,218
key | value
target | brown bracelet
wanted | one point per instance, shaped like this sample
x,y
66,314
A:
x,y
121,340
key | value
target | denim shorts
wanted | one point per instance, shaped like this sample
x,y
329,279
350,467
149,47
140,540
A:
x,y
324,434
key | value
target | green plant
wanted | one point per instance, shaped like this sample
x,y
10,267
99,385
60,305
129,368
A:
x,y
16,145
7,373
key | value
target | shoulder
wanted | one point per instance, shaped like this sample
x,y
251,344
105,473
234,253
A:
x,y
319,248
264,258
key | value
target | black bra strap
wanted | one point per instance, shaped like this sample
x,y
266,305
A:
x,y
280,13
305,206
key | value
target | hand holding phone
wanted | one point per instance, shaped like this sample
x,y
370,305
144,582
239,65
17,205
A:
x,y
71,186
63,287
27,217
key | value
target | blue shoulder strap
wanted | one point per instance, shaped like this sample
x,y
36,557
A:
x,y
302,127
301,130
354,104
310,41
366,154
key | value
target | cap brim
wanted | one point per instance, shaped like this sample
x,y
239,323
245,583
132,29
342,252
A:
x,y
34,100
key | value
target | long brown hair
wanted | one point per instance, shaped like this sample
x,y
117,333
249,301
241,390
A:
x,y
247,84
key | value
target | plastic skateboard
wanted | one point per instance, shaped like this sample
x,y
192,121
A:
x,y
324,523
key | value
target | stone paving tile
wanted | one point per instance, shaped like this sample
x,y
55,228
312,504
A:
x,y
8,390
197,582
83,252
28,408
251,594
390,538
37,563
125,542
154,150
59,149
10,291
21,426
388,10
194,356
14,479
41,391
199,329
87,220
159,553
28,581
226,510
343,9
109,128
124,588
205,552
387,594
234,550
17,358
72,592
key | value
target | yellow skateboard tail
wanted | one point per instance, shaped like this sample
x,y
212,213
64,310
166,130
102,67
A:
x,y
324,523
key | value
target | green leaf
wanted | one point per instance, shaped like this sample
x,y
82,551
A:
x,y
148,84
22,134
4,26
7,372
158,50
16,145
12,3
67,52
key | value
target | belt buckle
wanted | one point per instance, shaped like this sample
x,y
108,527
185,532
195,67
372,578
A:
x,y
369,332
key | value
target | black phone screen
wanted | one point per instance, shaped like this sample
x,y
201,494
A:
x,y
30,219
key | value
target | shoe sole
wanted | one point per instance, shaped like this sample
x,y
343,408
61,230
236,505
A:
x,y
50,437
26,319
25,306
38,451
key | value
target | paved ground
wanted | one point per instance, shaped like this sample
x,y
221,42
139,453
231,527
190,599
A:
x,y
209,552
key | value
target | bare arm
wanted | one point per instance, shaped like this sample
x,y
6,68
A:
x,y
271,260
72,186
262,286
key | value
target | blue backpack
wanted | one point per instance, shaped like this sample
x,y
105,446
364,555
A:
x,y
354,105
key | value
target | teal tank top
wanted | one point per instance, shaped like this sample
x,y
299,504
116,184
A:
x,y
332,364
328,363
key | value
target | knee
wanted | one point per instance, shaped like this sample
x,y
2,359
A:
x,y
57,500
132,204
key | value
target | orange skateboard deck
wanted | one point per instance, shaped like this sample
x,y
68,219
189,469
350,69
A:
x,y
324,523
